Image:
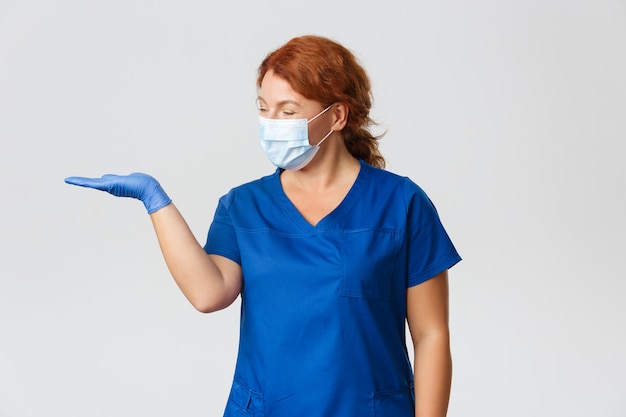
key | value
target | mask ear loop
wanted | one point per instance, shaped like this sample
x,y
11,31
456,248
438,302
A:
x,y
325,137
320,113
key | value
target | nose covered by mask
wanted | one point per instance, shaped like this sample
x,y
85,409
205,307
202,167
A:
x,y
286,141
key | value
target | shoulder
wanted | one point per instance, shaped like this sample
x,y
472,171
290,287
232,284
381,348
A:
x,y
393,182
253,189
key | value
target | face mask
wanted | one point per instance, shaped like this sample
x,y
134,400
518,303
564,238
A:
x,y
286,141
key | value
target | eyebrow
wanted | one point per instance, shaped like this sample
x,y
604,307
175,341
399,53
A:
x,y
283,102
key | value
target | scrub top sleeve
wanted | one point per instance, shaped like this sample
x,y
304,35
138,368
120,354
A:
x,y
430,250
221,238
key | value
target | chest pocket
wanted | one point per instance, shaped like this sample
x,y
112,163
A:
x,y
369,258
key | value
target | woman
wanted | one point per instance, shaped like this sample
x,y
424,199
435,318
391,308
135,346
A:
x,y
331,254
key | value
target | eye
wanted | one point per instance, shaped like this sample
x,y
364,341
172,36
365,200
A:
x,y
287,113
260,106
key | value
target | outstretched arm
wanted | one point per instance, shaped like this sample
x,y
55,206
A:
x,y
427,315
209,282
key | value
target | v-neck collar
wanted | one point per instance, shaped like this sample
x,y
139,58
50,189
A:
x,y
333,219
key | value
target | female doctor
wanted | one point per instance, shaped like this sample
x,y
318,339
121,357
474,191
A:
x,y
330,254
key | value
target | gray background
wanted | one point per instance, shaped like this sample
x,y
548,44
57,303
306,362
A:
x,y
510,114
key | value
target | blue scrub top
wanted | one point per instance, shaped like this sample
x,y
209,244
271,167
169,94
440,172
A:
x,y
323,307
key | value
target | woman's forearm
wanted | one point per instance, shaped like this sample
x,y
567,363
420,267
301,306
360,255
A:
x,y
433,375
209,284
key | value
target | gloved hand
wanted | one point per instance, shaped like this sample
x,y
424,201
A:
x,y
137,185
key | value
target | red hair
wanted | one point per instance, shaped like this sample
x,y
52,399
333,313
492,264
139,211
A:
x,y
323,70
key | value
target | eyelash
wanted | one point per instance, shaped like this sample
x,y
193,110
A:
x,y
287,113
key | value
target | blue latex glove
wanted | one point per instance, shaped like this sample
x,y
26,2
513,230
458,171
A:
x,y
140,186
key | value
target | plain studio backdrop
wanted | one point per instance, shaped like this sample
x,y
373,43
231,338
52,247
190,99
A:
x,y
510,114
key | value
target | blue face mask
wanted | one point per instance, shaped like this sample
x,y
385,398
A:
x,y
286,141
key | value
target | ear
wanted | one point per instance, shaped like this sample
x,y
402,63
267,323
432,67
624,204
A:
x,y
340,113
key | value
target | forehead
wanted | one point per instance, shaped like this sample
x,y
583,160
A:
x,y
275,89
